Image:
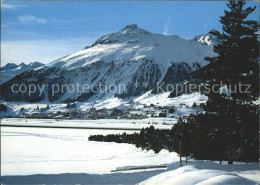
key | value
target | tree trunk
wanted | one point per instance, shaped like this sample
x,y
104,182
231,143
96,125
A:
x,y
231,155
180,154
186,160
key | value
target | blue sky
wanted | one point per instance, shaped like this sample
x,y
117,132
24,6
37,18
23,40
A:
x,y
45,30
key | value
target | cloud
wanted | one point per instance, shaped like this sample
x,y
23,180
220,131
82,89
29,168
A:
x,y
41,20
12,6
6,6
167,25
31,19
26,18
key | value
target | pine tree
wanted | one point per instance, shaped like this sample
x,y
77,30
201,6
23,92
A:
x,y
237,49
236,63
182,138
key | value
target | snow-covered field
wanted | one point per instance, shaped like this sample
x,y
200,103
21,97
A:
x,y
28,151
161,123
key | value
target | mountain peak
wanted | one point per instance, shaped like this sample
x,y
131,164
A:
x,y
207,38
213,31
132,29
127,33
22,64
131,26
35,64
9,66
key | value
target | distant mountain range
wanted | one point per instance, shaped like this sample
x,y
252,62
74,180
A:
x,y
10,70
131,57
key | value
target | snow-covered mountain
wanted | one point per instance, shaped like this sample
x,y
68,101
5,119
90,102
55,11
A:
x,y
9,66
131,57
135,44
207,38
10,70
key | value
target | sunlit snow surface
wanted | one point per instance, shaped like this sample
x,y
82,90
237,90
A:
x,y
160,123
188,175
26,151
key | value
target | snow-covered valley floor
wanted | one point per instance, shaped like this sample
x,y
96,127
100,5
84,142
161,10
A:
x,y
65,156
160,123
26,151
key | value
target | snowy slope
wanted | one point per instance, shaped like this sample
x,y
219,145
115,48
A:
x,y
122,58
10,70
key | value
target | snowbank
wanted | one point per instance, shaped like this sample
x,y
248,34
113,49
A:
x,y
189,175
